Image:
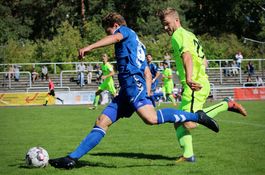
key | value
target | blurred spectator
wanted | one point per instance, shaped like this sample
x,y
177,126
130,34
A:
x,y
161,67
250,68
177,93
89,74
78,69
167,58
226,69
44,73
249,79
238,58
17,74
80,77
98,74
234,70
259,81
34,75
10,72
249,82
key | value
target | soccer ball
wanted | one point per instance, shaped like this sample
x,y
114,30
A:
x,y
37,157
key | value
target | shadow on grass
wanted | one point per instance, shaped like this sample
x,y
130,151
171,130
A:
x,y
82,163
127,155
22,165
136,156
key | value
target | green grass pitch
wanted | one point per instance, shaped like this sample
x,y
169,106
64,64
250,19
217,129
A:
x,y
130,146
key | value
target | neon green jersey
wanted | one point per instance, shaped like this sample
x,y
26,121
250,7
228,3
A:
x,y
167,81
106,69
185,41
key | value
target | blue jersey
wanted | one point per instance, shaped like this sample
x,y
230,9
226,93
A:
x,y
131,63
130,54
153,69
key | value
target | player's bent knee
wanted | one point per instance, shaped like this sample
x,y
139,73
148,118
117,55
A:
x,y
176,125
190,125
150,120
103,121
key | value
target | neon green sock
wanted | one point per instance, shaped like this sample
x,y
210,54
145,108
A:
x,y
96,100
185,141
212,111
172,99
184,136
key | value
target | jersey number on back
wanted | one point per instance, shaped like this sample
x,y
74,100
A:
x,y
199,49
140,53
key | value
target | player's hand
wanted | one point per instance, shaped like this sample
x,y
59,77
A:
x,y
82,52
194,86
103,77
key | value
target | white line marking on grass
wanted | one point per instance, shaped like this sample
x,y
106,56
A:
x,y
243,123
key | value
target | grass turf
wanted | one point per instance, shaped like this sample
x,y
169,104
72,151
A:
x,y
131,147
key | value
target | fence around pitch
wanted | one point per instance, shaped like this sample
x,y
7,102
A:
x,y
212,64
9,79
242,93
221,72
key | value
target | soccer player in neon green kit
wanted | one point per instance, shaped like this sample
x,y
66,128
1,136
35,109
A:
x,y
108,83
168,83
191,64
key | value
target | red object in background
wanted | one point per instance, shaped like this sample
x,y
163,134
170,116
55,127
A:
x,y
253,93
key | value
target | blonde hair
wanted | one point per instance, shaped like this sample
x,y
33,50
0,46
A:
x,y
166,12
111,18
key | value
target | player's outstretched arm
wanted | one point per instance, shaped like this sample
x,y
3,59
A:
x,y
108,40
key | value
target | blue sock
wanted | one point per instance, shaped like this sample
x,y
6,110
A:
x,y
169,115
91,140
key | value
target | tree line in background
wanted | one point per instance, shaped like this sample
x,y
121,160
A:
x,y
52,31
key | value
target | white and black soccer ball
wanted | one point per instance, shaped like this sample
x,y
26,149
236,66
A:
x,y
37,157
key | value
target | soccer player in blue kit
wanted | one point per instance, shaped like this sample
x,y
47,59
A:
x,y
155,75
135,81
154,71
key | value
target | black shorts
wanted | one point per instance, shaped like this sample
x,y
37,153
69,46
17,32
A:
x,y
51,92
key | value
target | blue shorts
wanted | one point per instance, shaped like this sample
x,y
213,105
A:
x,y
154,85
131,97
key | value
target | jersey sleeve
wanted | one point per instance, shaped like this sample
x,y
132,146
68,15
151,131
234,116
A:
x,y
176,47
169,72
155,68
110,67
180,43
186,44
124,31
